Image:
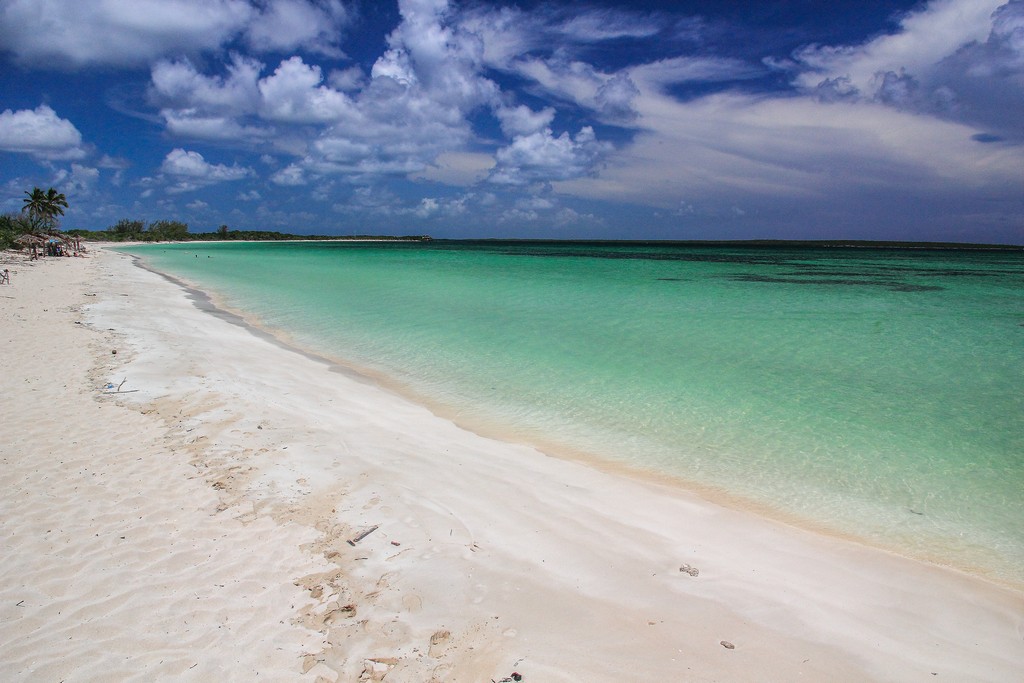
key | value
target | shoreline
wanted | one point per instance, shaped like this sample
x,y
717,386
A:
x,y
485,557
212,303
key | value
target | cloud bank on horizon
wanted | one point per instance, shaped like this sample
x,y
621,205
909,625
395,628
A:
x,y
686,120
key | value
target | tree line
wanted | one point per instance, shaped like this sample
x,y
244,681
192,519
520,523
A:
x,y
42,209
40,216
134,230
127,230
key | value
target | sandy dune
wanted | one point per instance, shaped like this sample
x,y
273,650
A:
x,y
196,524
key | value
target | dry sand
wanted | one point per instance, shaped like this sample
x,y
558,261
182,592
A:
x,y
192,523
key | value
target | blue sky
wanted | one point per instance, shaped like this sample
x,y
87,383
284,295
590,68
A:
x,y
876,119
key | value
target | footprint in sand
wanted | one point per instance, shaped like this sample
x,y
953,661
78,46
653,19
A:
x,y
439,642
336,613
412,603
394,631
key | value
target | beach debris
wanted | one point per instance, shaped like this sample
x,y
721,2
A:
x,y
111,389
687,569
514,676
113,352
363,535
395,543
727,645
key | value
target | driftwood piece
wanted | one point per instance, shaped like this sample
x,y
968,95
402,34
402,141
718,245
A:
x,y
364,534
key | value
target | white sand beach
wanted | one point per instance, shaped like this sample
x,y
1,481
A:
x,y
187,508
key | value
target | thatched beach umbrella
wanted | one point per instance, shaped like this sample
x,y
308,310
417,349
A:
x,y
31,241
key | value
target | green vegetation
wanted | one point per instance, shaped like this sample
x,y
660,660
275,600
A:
x,y
126,230
39,217
43,208
12,226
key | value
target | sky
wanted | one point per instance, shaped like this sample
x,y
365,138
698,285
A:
x,y
797,119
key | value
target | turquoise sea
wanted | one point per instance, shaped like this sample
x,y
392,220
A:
x,y
873,393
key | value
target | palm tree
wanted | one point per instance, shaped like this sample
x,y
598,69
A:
x,y
56,202
35,206
44,207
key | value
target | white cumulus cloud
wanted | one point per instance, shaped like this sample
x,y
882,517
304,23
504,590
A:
x,y
189,123
285,24
133,32
924,38
41,133
521,120
293,93
957,59
178,83
190,171
118,33
542,157
79,181
290,176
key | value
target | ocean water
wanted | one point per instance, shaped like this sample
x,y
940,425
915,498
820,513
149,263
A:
x,y
873,393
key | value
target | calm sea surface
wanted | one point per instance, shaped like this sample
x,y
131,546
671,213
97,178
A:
x,y
876,393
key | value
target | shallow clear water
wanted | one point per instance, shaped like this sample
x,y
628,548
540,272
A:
x,y
876,393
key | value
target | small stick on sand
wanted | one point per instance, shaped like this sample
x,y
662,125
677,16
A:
x,y
364,534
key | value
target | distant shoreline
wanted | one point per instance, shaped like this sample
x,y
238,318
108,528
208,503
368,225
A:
x,y
106,237
809,244
758,244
